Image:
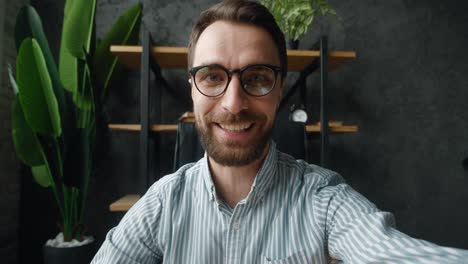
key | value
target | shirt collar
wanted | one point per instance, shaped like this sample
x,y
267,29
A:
x,y
208,181
263,180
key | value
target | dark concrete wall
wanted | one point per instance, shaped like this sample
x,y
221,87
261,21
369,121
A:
x,y
9,177
406,90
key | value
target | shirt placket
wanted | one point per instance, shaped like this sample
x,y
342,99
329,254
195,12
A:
x,y
235,239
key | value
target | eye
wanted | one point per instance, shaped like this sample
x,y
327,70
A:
x,y
209,76
214,77
258,80
258,77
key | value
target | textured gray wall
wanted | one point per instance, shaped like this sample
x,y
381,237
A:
x,y
2,34
9,177
406,90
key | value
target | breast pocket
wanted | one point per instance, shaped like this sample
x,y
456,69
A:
x,y
297,258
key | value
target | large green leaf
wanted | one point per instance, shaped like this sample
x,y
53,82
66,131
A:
x,y
42,175
28,148
29,25
78,27
85,103
26,144
36,93
83,98
125,30
73,69
68,64
68,69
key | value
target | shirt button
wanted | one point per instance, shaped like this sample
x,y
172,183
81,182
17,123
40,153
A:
x,y
236,226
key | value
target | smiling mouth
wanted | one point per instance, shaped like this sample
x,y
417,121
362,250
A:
x,y
240,127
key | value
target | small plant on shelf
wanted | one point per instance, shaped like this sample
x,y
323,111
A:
x,y
295,17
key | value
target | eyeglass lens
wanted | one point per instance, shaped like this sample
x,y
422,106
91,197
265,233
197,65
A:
x,y
256,80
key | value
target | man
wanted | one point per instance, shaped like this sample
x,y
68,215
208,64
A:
x,y
246,202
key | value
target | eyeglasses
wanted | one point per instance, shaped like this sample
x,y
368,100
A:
x,y
256,79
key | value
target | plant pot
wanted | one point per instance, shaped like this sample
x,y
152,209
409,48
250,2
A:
x,y
292,44
71,255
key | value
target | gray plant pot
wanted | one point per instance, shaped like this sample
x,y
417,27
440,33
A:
x,y
73,255
292,44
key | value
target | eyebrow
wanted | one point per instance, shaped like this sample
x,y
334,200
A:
x,y
209,63
247,65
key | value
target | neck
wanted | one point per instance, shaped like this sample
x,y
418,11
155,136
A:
x,y
234,183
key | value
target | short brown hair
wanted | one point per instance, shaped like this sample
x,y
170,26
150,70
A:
x,y
243,11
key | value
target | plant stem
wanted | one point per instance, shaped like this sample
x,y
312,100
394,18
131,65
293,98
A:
x,y
65,215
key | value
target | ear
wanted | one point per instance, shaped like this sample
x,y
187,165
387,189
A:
x,y
191,87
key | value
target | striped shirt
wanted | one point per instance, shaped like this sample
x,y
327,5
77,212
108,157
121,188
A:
x,y
295,212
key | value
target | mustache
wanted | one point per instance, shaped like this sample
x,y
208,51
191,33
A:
x,y
243,116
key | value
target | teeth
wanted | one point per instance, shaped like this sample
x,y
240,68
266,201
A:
x,y
235,127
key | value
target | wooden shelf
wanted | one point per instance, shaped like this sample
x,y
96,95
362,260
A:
x,y
124,203
176,57
335,127
137,127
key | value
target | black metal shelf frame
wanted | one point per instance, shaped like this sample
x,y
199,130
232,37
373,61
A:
x,y
144,106
324,129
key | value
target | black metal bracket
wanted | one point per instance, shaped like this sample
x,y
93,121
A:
x,y
173,92
322,62
148,65
312,67
144,106
324,130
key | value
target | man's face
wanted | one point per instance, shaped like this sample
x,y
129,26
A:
x,y
235,127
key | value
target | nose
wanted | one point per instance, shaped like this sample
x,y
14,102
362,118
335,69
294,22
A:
x,y
234,99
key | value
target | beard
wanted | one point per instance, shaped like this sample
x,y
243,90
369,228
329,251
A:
x,y
230,152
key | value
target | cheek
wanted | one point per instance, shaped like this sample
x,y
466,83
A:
x,y
201,103
269,108
193,95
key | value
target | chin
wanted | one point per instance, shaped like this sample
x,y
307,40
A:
x,y
234,154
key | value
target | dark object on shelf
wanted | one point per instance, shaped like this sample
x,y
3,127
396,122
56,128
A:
x,y
187,148
298,113
289,136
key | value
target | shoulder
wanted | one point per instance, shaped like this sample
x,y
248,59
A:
x,y
306,174
173,183
165,193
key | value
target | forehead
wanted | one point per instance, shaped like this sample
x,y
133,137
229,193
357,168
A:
x,y
235,45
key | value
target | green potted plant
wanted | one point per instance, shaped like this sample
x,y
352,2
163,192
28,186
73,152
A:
x,y
57,111
295,17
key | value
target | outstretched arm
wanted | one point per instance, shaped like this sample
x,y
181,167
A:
x,y
358,232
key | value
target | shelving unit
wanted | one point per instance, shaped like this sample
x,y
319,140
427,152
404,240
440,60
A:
x,y
335,127
147,56
176,57
124,203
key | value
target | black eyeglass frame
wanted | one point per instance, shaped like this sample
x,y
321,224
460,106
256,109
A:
x,y
276,70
